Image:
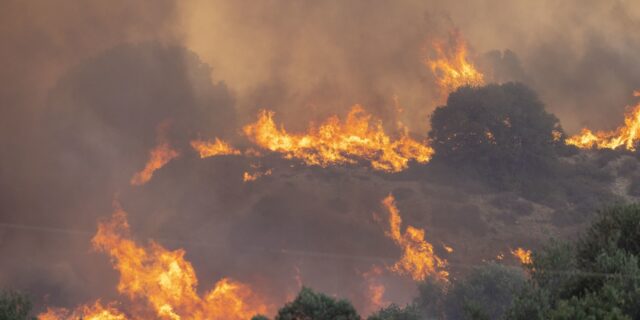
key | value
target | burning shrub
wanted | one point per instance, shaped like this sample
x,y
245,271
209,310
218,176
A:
x,y
501,131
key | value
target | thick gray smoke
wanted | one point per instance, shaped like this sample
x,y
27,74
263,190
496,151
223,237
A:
x,y
85,86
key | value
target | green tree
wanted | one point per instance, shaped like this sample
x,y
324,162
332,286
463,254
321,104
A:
x,y
395,312
14,306
431,298
309,305
497,130
598,278
486,293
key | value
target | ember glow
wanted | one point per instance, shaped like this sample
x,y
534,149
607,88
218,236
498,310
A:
x,y
523,255
160,283
418,258
218,147
334,142
248,177
160,155
625,136
451,65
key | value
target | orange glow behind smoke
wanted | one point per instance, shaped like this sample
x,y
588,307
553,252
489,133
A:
x,y
418,259
358,138
160,155
626,136
523,255
375,289
160,283
451,67
210,149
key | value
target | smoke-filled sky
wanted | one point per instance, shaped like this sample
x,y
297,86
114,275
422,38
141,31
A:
x,y
84,86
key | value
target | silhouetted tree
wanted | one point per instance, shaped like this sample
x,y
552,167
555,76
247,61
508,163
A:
x,y
395,312
486,293
501,131
14,306
317,306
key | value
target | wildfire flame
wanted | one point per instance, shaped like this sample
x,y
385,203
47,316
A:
x,y
418,259
248,177
375,289
160,155
160,283
451,67
626,136
93,312
523,255
358,138
210,149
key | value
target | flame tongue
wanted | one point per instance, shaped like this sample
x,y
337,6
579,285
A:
x,y
451,67
159,156
418,259
210,149
94,312
163,281
626,136
523,255
358,138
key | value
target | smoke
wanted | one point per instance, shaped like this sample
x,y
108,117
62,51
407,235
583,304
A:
x,y
85,85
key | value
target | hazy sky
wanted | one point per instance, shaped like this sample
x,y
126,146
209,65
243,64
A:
x,y
84,85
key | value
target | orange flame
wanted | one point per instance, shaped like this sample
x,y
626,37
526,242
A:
x,y
162,281
523,255
375,289
160,155
418,259
94,312
211,149
451,67
626,136
336,142
248,177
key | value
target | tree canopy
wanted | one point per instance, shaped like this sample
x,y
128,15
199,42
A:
x,y
14,306
598,277
317,306
500,129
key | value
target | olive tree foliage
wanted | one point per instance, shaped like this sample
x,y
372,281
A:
x,y
499,131
395,312
598,277
14,306
487,292
317,306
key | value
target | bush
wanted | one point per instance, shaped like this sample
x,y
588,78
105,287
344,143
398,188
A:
x,y
14,306
486,293
317,306
395,312
597,278
501,131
